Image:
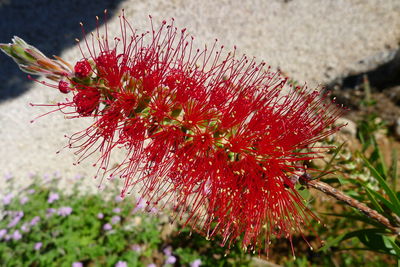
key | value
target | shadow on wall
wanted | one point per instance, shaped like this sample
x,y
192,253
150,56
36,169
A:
x,y
49,25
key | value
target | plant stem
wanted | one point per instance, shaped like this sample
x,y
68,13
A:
x,y
339,195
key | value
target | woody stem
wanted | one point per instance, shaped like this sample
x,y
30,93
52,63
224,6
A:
x,y
339,195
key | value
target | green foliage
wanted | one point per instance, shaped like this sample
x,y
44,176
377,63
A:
x,y
60,236
366,177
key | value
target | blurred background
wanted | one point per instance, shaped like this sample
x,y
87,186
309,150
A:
x,y
308,41
351,47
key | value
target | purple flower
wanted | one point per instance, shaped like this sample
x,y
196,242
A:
x,y
24,200
64,211
153,210
121,264
78,176
100,215
8,176
107,227
7,198
195,263
117,210
24,228
16,235
140,204
118,199
136,248
151,265
167,251
57,174
170,260
38,245
50,212
115,219
53,197
77,264
31,191
16,219
35,220
14,222
3,232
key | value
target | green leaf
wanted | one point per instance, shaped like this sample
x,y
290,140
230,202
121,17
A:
x,y
361,218
329,164
393,172
392,195
387,203
373,200
372,238
395,247
380,161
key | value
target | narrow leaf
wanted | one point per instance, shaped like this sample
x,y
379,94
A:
x,y
392,195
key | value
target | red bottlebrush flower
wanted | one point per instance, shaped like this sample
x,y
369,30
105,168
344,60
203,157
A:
x,y
86,100
82,68
64,88
216,136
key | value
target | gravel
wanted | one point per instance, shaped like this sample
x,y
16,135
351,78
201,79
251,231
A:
x,y
310,40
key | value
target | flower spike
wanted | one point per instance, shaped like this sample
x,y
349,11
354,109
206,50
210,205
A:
x,y
212,134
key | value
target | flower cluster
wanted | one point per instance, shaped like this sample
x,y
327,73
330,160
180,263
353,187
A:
x,y
215,135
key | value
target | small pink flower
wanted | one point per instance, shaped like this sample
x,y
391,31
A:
x,y
24,200
8,176
168,251
117,210
107,227
31,191
53,197
170,260
118,199
140,205
25,228
77,264
136,248
38,245
16,235
121,264
115,219
3,232
8,198
50,211
64,211
15,220
195,263
34,221
100,215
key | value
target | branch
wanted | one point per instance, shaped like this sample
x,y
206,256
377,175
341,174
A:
x,y
339,195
